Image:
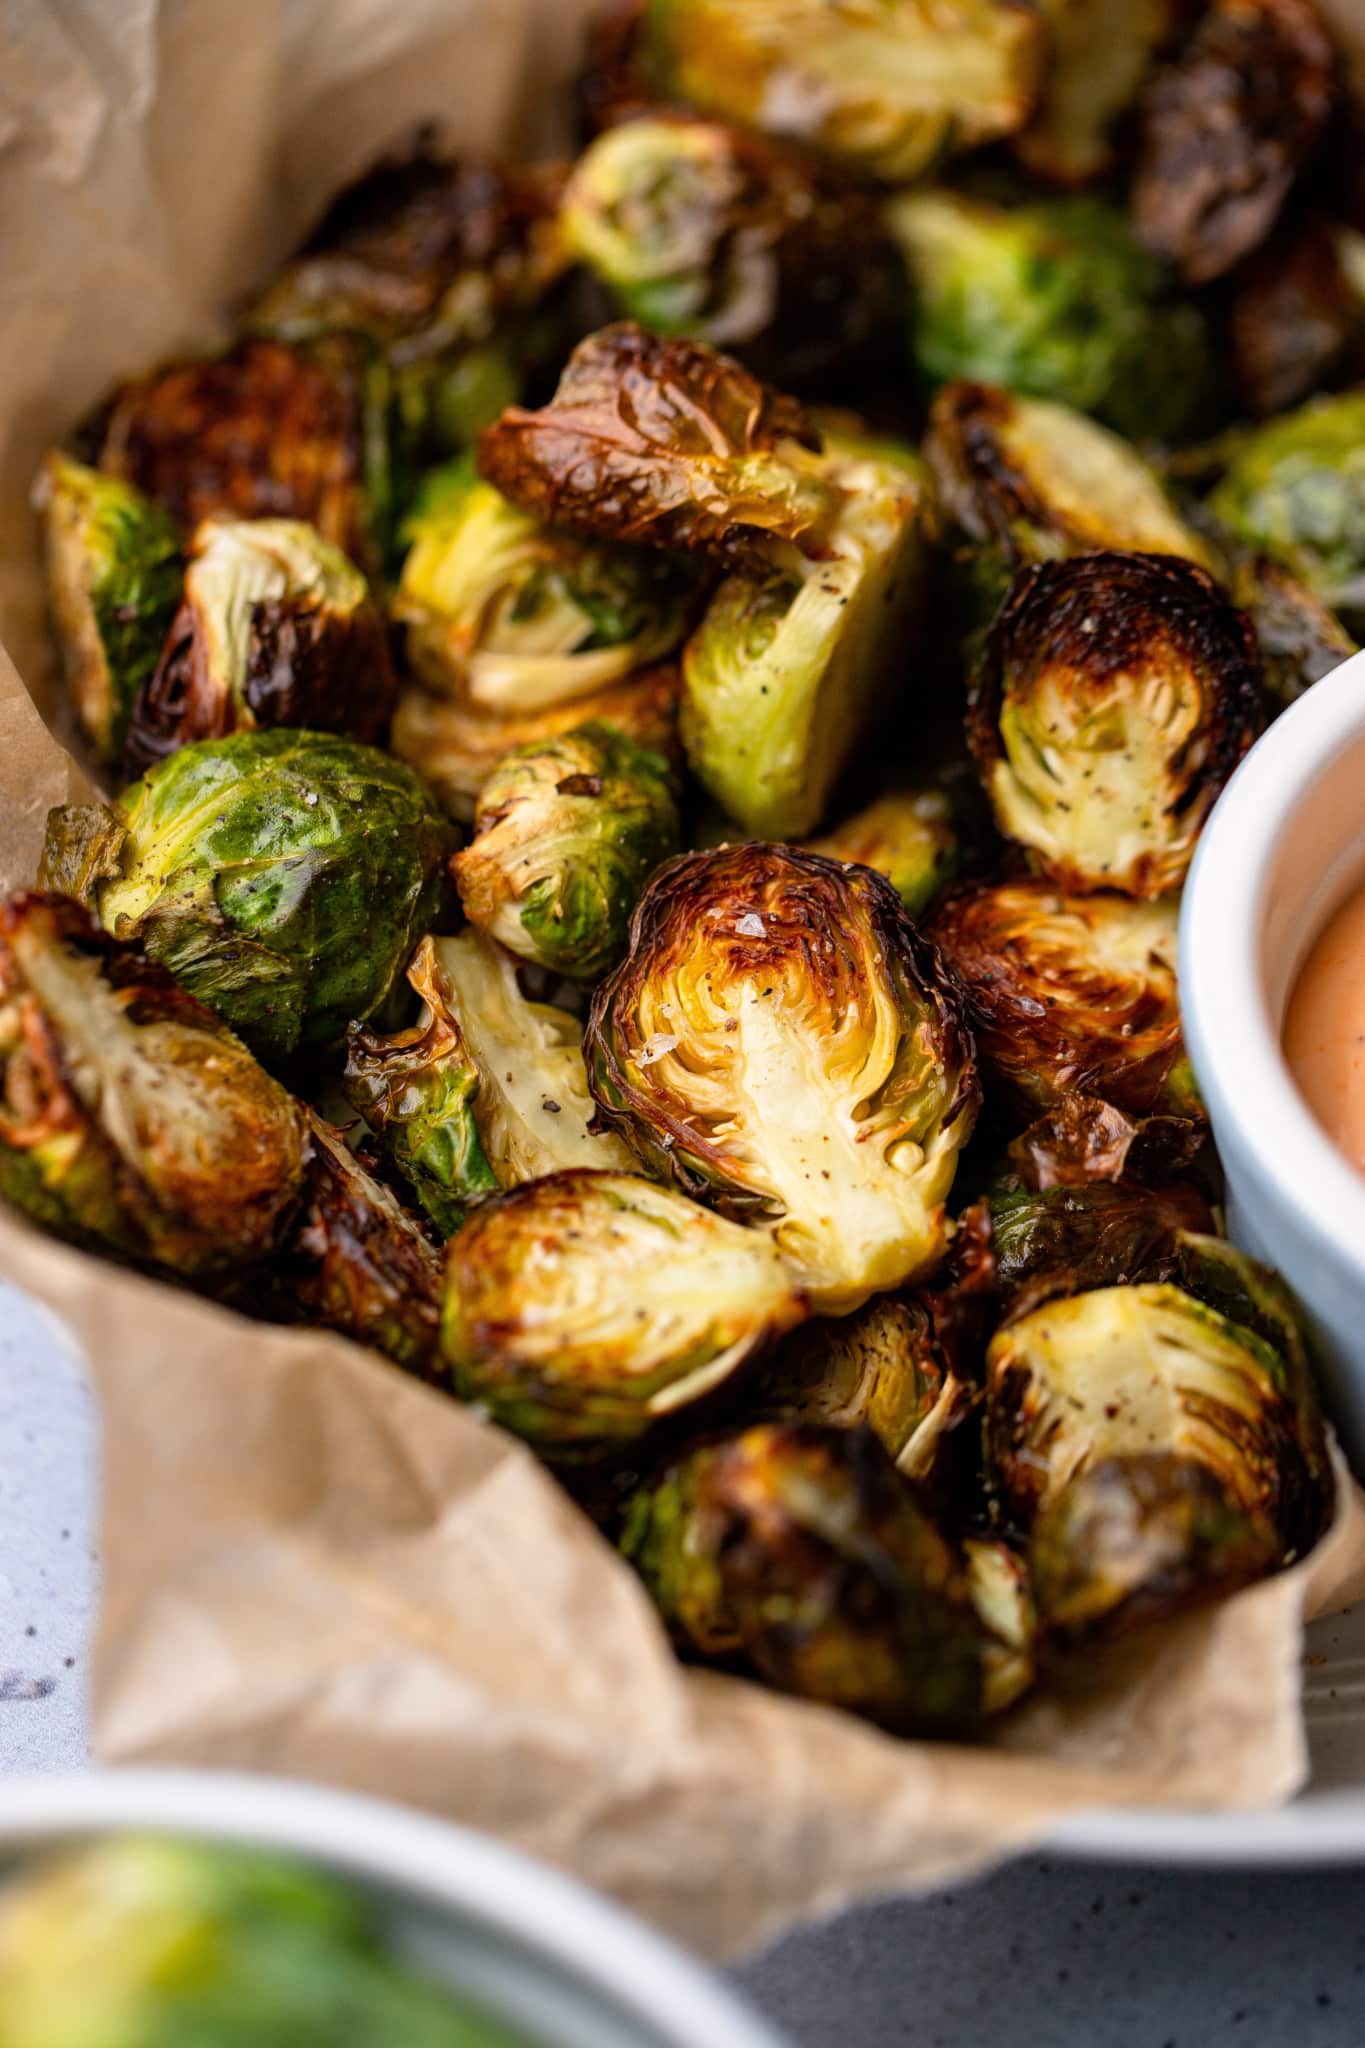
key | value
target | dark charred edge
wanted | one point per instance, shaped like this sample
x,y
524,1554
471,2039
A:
x,y
982,491
612,82
309,667
1083,1138
179,701
1071,1240
155,995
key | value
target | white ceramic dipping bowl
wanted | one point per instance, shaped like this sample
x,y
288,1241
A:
x,y
1284,846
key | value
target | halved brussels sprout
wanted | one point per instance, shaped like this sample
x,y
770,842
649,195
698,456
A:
x,y
889,85
1099,53
1056,299
748,243
113,579
1295,489
909,836
1115,697
566,833
582,1308
786,667
1070,993
512,617
660,439
283,877
782,1042
1297,315
131,1120
802,1550
276,627
1061,1241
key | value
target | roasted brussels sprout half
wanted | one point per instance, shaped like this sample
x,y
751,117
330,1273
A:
x,y
1115,697
582,1308
276,627
1070,993
1297,315
1061,1241
782,1042
1052,298
801,1550
113,578
131,1120
909,836
786,666
566,833
1099,53
283,877
888,85
1296,490
751,244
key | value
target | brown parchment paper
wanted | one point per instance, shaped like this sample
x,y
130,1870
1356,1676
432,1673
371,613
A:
x,y
311,1564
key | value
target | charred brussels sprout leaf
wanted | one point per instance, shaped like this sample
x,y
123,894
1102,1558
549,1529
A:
x,y
1061,1241
113,579
1099,53
131,1120
1296,490
537,1326
908,836
782,1042
566,834
283,877
1116,695
888,85
276,627
1082,1138
801,1550
1070,993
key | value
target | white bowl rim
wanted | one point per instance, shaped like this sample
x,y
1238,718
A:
x,y
1237,1056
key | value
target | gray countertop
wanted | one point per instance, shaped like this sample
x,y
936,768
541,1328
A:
x,y
1042,1953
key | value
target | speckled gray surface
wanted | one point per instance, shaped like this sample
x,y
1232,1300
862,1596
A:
x,y
1043,1955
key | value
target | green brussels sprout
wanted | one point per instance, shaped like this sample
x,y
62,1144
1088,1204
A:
x,y
1052,298
113,579
801,1550
909,836
283,877
781,1042
1060,1241
417,1093
1115,697
276,627
1099,53
566,834
538,1327
141,1942
787,666
511,617
1295,490
131,1120
888,85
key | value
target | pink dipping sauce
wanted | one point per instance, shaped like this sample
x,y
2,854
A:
x,y
1324,1031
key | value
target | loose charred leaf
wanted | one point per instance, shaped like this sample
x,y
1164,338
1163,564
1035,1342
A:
x,y
83,848
1082,1138
1065,1240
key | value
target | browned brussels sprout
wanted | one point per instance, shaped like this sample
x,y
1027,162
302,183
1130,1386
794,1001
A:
x,y
131,1119
584,1307
1297,315
1115,697
1082,1139
782,1042
1060,1241
909,836
1070,993
1300,640
801,1550
1099,53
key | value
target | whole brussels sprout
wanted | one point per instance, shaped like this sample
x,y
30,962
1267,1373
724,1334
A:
x,y
782,1042
802,1550
566,834
582,1308
1296,490
1070,993
1060,1241
909,836
1099,53
131,1120
283,877
113,579
1299,638
888,85
276,627
1052,298
1115,697
1296,316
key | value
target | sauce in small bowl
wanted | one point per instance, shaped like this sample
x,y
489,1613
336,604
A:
x,y
1324,1028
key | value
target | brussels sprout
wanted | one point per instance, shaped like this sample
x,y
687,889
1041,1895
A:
x,y
113,579
565,835
1099,53
1297,315
1296,489
537,1325
276,627
131,1120
1070,993
802,1550
1299,639
1002,1594
782,1042
1227,126
1070,1240
908,836
660,439
1055,299
283,877
786,667
889,85
1115,697
1150,1446
751,244
1082,1138
512,617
